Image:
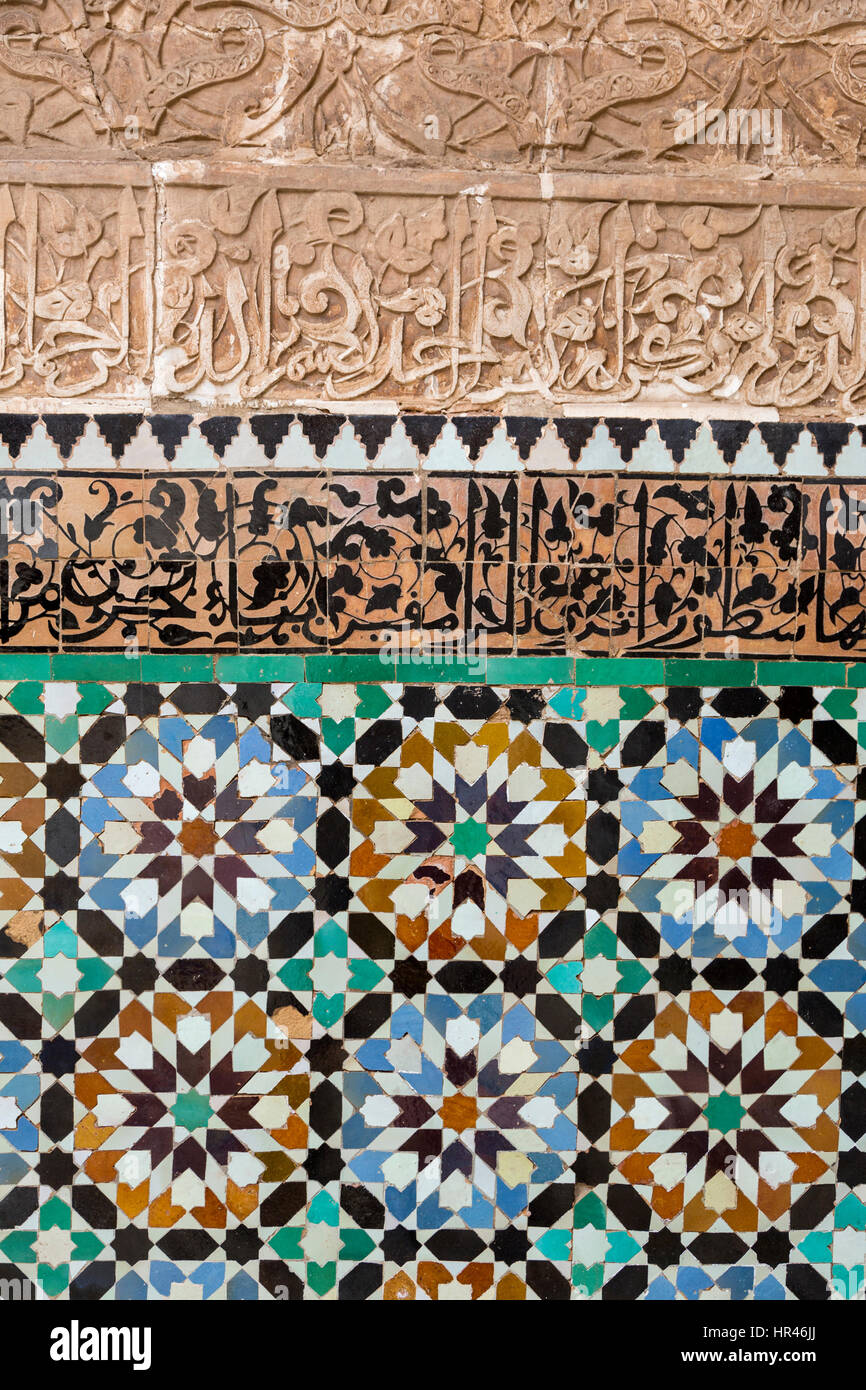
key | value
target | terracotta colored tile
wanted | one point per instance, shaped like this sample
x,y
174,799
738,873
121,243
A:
x,y
564,609
751,611
99,517
193,606
368,600
473,520
281,516
471,599
189,517
373,518
832,614
758,523
566,520
31,609
834,526
105,603
28,516
282,605
661,522
657,609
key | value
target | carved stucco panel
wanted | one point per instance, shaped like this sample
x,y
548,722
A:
x,y
472,83
77,270
494,294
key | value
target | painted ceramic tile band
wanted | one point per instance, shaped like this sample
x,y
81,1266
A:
x,y
439,443
433,568
323,669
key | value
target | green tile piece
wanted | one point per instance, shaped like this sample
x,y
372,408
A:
x,y
840,704
600,736
589,1211
635,702
372,701
530,670
303,700
348,668
470,838
857,675
251,667
338,734
287,1243
60,734
597,1010
164,667
619,670
328,1009
442,673
95,666
93,698
57,1011
707,671
18,1246
26,697
357,1245
724,1111
20,666
800,673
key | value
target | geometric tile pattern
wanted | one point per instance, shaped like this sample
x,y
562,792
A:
x,y
394,991
438,443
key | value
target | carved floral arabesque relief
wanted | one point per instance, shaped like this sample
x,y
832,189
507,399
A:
x,y
436,204
580,83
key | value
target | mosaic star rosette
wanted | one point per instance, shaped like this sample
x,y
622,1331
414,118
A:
x,y
386,991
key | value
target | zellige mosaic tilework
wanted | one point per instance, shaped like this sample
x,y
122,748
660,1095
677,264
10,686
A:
x,y
415,991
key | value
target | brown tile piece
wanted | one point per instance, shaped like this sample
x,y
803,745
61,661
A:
x,y
282,606
751,611
281,516
189,517
100,518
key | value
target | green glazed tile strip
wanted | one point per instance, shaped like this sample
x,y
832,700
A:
x,y
170,666
95,666
800,673
530,670
701,671
348,668
619,670
442,673
24,666
249,668
368,668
